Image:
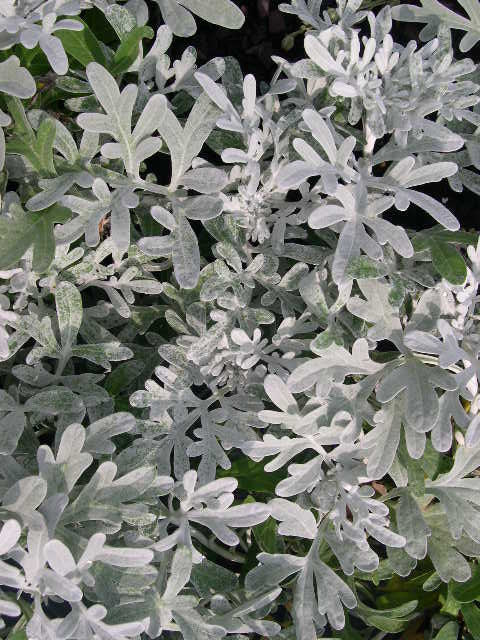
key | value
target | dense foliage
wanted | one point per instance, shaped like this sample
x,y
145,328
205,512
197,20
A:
x,y
240,396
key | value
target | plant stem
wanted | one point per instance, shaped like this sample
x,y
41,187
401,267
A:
x,y
233,556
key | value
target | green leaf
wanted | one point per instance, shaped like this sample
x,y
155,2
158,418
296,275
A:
x,y
454,237
445,258
219,140
433,462
25,230
365,267
83,46
450,606
471,615
22,125
433,582
422,239
448,262
127,52
385,623
348,632
37,148
123,376
467,591
21,634
391,620
252,477
209,578
449,631
266,536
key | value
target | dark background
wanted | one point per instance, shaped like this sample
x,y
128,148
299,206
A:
x,y
261,37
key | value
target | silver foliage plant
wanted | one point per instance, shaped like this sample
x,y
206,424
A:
x,y
216,333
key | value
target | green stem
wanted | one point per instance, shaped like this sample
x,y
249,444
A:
x,y
233,556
